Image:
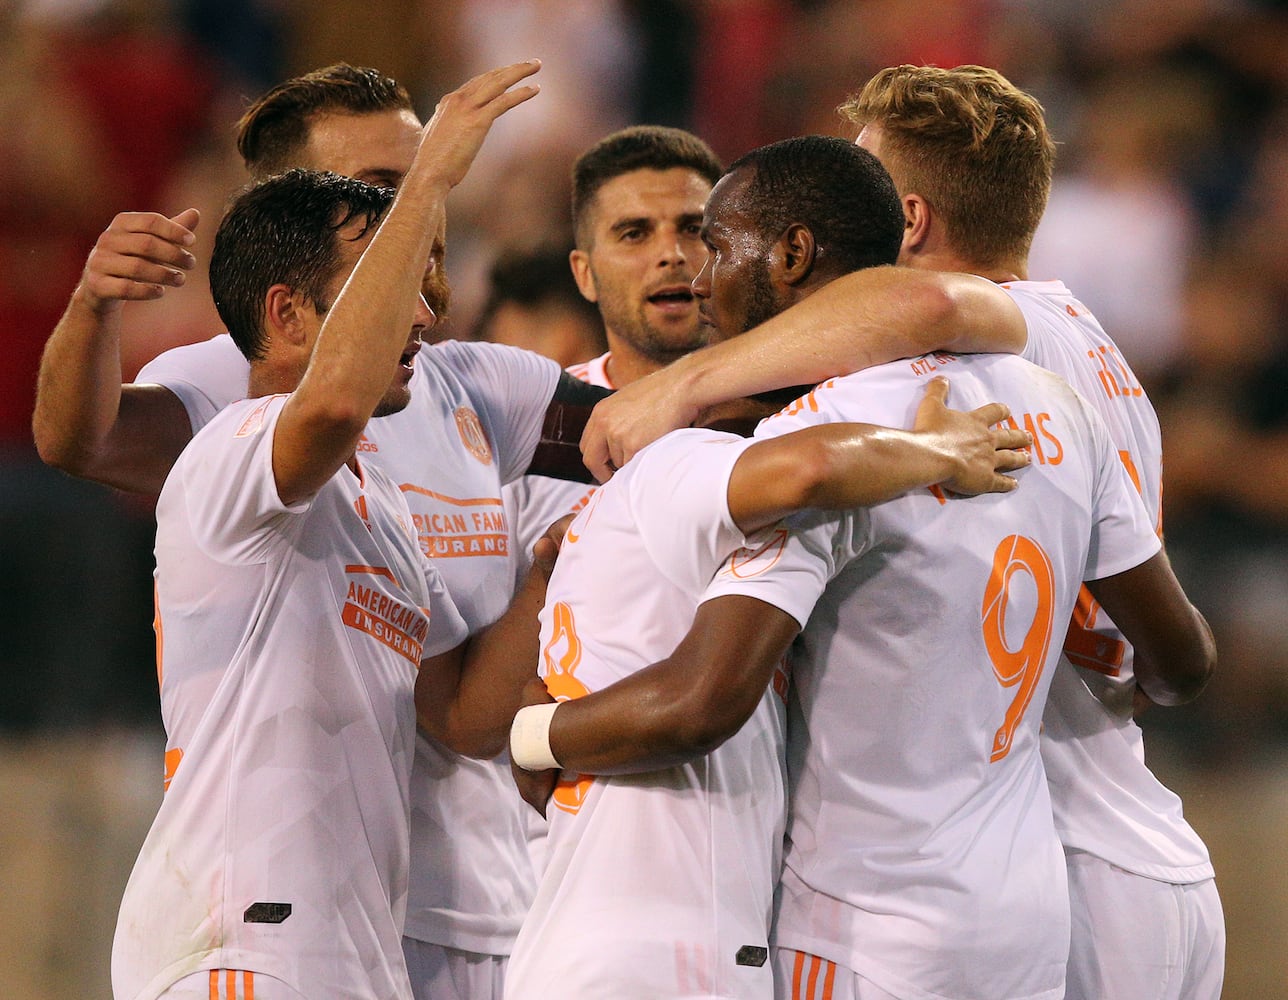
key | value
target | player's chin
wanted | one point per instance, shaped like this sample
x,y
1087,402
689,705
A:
x,y
395,399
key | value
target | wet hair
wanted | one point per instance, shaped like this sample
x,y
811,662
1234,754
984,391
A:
x,y
970,142
641,147
841,192
285,230
275,128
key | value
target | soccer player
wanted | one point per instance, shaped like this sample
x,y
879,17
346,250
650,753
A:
x,y
660,883
473,423
921,856
294,605
972,158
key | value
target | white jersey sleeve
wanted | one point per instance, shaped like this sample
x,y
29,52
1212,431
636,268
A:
x,y
206,376
511,389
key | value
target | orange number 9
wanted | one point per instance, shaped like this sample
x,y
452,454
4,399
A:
x,y
1022,666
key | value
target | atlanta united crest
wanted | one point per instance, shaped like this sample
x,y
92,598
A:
x,y
472,435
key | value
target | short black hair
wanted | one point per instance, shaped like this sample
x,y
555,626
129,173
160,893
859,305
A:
x,y
839,190
640,147
285,230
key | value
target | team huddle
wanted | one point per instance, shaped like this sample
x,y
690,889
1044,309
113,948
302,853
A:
x,y
828,690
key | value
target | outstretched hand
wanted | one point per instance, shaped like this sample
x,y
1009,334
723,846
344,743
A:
x,y
461,121
634,416
982,452
138,257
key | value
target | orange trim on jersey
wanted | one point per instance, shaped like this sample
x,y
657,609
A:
x,y
810,983
156,627
456,501
374,571
173,757
230,984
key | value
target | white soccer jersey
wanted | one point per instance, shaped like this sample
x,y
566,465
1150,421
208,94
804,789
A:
x,y
533,503
473,423
289,642
1106,800
921,852
657,884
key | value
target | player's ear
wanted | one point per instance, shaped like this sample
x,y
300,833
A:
x,y
579,261
916,222
794,255
284,317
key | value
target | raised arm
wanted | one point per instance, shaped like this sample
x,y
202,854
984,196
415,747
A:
x,y
367,328
863,319
1173,649
838,466
85,421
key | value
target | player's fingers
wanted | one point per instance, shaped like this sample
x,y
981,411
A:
x,y
1008,460
110,265
152,224
487,86
188,220
936,389
108,288
1011,437
992,413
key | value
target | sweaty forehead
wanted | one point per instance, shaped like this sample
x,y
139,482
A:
x,y
726,197
377,147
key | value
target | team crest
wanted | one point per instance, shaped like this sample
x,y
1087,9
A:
x,y
747,563
472,435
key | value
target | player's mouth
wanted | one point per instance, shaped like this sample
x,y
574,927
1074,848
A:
x,y
407,361
672,299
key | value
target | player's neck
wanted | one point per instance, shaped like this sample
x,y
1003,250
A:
x,y
625,366
947,259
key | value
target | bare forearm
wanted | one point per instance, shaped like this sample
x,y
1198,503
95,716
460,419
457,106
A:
x,y
468,701
832,467
78,389
680,708
863,319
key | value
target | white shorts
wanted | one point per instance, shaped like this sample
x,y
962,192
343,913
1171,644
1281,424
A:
x,y
229,984
441,973
1135,938
801,976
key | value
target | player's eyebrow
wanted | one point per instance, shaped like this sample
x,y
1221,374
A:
x,y
637,222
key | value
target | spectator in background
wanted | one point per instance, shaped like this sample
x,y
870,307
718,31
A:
x,y
533,302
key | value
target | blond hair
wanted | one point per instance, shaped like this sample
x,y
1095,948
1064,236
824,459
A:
x,y
971,143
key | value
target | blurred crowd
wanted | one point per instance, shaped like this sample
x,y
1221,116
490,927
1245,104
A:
x,y
1169,219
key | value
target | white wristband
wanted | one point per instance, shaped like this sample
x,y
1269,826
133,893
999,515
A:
x,y
530,738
